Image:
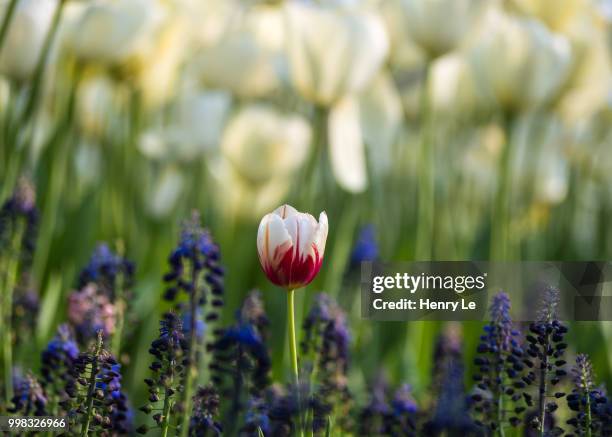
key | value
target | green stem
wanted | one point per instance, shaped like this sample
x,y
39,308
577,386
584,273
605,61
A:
x,y
120,305
426,175
166,413
292,342
12,272
37,79
500,226
6,21
586,382
542,392
500,415
500,389
92,387
293,350
315,174
55,165
192,369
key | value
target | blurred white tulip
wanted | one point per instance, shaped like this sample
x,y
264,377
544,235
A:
x,y
552,181
380,112
209,20
143,40
404,51
333,51
591,79
25,37
518,63
97,103
194,128
158,73
260,151
202,116
453,89
238,197
439,26
166,192
87,164
262,143
555,14
248,58
346,147
112,32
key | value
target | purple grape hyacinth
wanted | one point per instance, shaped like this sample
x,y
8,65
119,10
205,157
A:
x,y
500,369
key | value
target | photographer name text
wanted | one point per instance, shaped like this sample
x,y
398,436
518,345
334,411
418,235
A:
x,y
445,287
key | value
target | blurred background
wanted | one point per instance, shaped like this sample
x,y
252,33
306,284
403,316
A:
x,y
426,129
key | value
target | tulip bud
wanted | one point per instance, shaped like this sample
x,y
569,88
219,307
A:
x,y
25,37
333,52
429,25
520,64
117,34
291,245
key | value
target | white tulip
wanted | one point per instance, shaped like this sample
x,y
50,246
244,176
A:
x,y
346,148
439,26
158,75
25,37
165,192
97,104
114,32
247,60
238,197
453,88
194,128
404,52
556,14
262,143
588,88
552,181
380,112
519,63
333,52
210,20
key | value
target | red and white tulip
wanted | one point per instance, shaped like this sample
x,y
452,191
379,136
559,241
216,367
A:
x,y
291,245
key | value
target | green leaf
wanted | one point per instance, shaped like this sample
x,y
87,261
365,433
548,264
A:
x,y
328,428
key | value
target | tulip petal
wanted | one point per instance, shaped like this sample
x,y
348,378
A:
x,y
272,235
321,234
285,211
346,146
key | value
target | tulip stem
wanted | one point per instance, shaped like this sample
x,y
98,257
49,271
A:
x,y
292,343
293,351
500,226
8,287
426,177
6,21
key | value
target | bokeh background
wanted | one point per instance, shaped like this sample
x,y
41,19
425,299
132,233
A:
x,y
426,129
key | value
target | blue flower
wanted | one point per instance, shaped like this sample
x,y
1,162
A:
x,y
241,359
588,403
29,397
366,246
200,325
58,357
500,369
206,409
19,212
104,269
403,402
